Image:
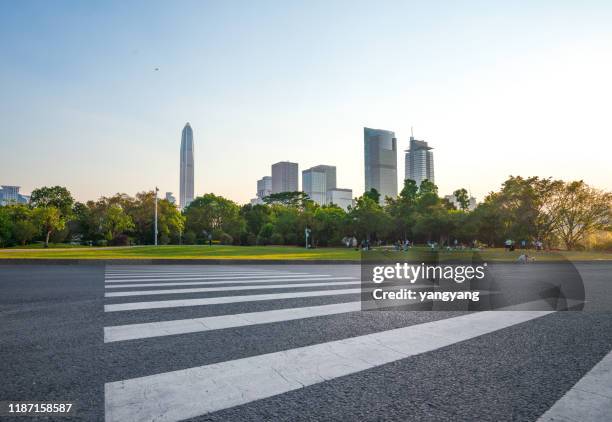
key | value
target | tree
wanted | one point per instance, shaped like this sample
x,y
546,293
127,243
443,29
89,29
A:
x,y
373,194
328,227
49,219
255,217
6,226
402,210
56,196
368,219
214,215
24,231
115,222
289,199
58,201
461,196
582,211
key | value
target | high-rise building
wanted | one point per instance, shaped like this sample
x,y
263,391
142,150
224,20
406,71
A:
x,y
186,188
11,195
264,187
341,197
170,198
316,181
284,177
380,153
419,162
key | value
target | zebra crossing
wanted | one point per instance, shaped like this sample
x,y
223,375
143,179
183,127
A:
x,y
203,388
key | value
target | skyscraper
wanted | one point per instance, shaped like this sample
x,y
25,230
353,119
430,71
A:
x,y
284,177
419,162
380,153
341,197
316,181
186,188
264,187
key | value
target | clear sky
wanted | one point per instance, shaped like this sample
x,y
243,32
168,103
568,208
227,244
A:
x,y
497,88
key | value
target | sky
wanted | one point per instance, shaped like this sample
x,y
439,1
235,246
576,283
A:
x,y
497,88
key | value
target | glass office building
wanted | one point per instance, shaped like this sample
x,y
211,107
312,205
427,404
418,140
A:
x,y
419,162
316,181
380,159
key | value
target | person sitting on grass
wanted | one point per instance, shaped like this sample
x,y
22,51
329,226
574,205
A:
x,y
524,258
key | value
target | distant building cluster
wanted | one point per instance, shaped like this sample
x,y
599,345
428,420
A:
x,y
10,195
471,204
380,169
318,182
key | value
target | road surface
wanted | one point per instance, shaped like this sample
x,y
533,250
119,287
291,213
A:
x,y
286,343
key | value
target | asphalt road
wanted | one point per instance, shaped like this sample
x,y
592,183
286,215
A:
x,y
238,343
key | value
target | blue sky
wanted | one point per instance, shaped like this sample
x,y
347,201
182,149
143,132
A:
x,y
497,88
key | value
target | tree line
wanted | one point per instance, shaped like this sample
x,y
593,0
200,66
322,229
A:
x,y
557,213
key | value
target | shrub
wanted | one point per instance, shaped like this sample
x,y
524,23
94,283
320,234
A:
x,y
226,239
189,238
121,240
290,239
276,239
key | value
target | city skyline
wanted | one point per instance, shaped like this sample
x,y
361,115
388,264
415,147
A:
x,y
497,90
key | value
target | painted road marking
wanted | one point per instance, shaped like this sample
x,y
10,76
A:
x,y
188,393
193,325
131,306
590,400
241,282
225,289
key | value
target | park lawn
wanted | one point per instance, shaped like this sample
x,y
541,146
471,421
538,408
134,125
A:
x,y
282,253
486,255
185,252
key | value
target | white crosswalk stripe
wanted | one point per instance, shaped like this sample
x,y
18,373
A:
x,y
131,306
201,389
590,400
192,325
191,392
213,282
226,289
199,277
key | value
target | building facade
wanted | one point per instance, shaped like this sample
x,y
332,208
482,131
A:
x,y
316,181
380,159
11,195
341,197
419,162
186,179
284,177
264,187
170,198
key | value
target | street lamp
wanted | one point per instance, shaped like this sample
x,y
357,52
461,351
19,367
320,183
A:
x,y
156,190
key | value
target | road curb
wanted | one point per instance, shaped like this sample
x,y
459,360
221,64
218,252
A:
x,y
154,261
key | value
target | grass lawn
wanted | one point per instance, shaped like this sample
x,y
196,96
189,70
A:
x,y
186,252
273,253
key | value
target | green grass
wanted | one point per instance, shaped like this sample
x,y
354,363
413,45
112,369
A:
x,y
41,245
274,253
187,252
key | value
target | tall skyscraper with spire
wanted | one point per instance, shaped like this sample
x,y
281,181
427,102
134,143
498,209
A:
x,y
419,161
186,188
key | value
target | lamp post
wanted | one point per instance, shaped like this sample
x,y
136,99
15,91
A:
x,y
156,190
